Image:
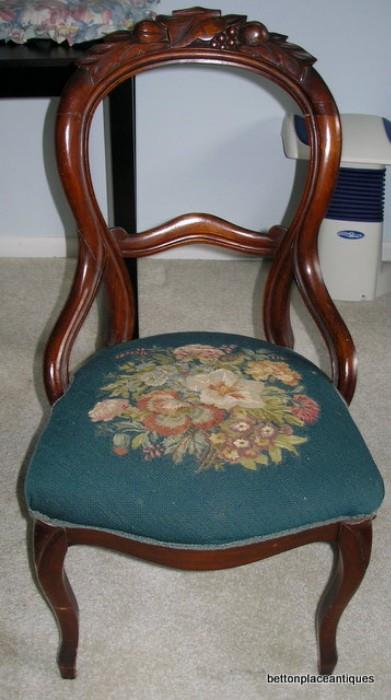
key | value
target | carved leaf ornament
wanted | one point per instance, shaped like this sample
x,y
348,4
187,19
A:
x,y
199,27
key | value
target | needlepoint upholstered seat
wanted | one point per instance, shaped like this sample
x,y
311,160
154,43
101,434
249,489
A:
x,y
200,450
201,440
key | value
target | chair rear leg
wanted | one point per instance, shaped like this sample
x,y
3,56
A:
x,y
50,548
352,555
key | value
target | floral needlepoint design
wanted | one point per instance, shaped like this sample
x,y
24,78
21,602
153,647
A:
x,y
218,405
108,409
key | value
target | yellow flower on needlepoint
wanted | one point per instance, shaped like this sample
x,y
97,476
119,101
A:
x,y
263,369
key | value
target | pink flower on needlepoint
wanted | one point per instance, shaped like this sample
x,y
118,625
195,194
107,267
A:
x,y
198,351
305,408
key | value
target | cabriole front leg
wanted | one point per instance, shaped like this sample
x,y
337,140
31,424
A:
x,y
50,548
352,555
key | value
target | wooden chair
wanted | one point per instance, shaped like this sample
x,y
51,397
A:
x,y
200,450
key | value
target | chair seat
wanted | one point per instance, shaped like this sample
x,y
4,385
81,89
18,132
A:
x,y
201,440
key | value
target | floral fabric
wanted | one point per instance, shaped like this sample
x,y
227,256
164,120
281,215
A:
x,y
74,21
221,405
200,439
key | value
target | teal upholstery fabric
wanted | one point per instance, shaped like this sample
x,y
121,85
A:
x,y
201,440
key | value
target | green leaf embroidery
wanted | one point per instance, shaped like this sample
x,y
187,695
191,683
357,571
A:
x,y
275,454
218,406
138,440
249,464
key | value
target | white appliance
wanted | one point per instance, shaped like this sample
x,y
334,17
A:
x,y
351,235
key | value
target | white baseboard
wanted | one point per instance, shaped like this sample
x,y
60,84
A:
x,y
61,247
38,247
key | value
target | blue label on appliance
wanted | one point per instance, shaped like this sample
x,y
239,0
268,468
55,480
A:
x,y
351,235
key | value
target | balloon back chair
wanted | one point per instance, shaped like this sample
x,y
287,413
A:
x,y
200,450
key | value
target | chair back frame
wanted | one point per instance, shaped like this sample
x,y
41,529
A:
x,y
201,36
198,36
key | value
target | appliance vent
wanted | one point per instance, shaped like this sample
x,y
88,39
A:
x,y
359,195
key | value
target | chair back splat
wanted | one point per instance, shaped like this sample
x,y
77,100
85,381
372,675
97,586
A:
x,y
199,36
200,450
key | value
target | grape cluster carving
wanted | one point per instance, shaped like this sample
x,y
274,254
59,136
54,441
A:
x,y
227,39
199,28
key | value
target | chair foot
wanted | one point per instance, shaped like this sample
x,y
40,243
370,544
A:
x,y
66,658
50,548
67,672
352,555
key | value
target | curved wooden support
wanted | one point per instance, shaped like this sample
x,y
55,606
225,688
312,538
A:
x,y
339,342
50,548
353,551
351,539
122,298
193,559
198,228
325,141
58,349
277,294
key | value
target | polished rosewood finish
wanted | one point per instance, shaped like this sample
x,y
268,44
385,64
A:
x,y
200,36
352,550
198,228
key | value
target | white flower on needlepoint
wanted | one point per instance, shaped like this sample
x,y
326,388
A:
x,y
224,389
156,377
108,409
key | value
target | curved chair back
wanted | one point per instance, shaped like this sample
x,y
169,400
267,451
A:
x,y
199,36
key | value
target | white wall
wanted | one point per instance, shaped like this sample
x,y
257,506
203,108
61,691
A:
x,y
35,219
233,164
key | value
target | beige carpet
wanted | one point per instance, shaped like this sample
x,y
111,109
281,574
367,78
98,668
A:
x,y
149,633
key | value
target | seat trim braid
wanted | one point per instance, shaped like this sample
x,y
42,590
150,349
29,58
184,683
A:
x,y
77,531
